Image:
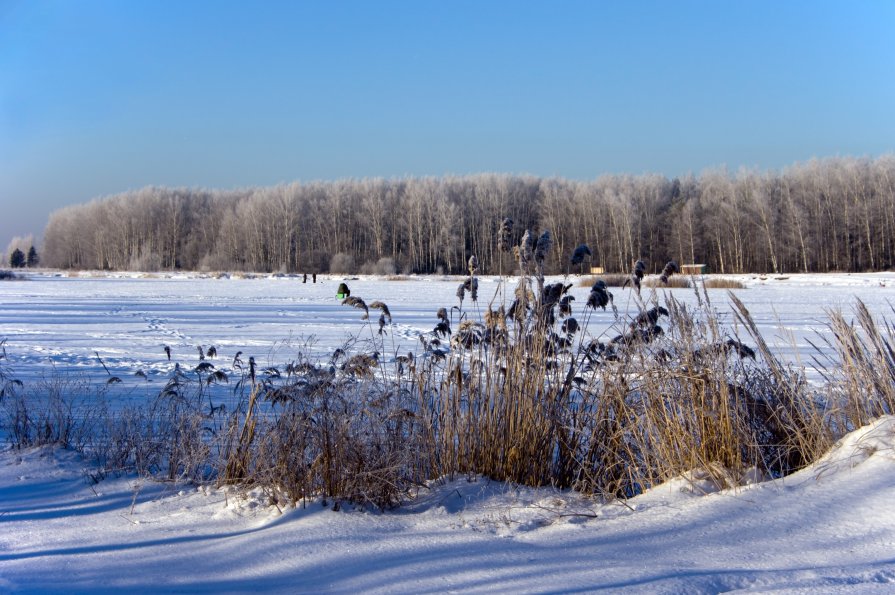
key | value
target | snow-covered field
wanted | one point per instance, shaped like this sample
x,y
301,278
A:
x,y
830,528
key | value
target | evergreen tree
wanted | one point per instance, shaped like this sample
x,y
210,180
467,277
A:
x,y
33,258
17,259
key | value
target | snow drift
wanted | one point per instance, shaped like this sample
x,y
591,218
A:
x,y
829,527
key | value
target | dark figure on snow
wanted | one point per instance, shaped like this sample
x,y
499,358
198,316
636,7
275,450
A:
x,y
343,292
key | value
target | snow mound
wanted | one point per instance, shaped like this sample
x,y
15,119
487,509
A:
x,y
829,528
857,448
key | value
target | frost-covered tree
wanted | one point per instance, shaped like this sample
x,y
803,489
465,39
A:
x,y
822,215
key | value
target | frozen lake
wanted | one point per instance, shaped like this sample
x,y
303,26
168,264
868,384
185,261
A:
x,y
819,530
56,323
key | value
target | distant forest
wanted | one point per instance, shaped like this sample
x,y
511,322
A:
x,y
834,214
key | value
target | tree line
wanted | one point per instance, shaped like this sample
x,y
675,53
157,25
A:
x,y
835,214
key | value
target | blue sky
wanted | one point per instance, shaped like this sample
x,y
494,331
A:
x,y
98,97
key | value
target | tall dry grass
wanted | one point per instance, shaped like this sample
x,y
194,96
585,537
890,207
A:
x,y
722,283
676,282
515,390
611,280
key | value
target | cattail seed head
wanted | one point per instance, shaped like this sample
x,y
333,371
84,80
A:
x,y
580,253
504,234
542,248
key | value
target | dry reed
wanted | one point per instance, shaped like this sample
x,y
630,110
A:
x,y
675,282
722,283
521,394
611,280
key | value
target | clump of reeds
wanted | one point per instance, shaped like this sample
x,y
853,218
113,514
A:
x,y
671,283
522,393
862,376
61,410
722,283
540,403
611,280
330,431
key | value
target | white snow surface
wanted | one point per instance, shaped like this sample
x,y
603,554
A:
x,y
829,528
56,323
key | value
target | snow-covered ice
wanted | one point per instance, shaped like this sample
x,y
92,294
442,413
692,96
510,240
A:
x,y
829,528
59,323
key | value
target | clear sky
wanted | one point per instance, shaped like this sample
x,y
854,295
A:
x,y
98,97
